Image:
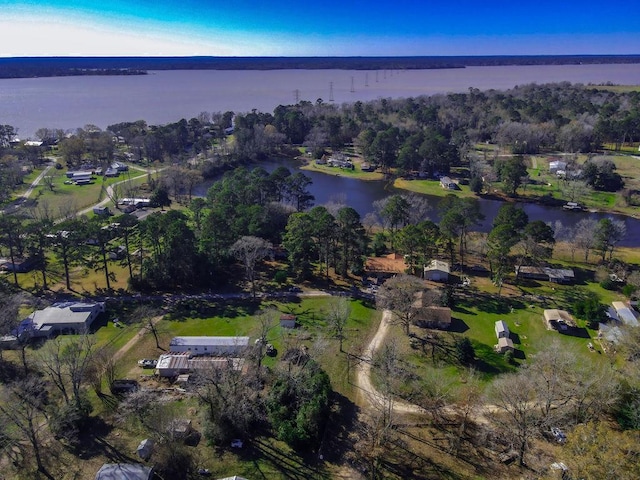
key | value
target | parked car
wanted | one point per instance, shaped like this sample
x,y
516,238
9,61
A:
x,y
236,443
558,435
147,363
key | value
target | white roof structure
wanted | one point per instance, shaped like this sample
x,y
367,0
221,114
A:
x,y
124,471
558,165
626,314
173,362
501,327
209,341
437,265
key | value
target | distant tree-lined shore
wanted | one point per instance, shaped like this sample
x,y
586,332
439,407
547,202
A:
x,y
26,67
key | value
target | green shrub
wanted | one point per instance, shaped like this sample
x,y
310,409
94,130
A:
x,y
608,284
280,277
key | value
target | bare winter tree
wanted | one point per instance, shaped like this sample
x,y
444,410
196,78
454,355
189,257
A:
x,y
338,316
22,406
514,396
66,363
584,236
9,307
551,373
267,319
398,295
231,403
251,250
149,318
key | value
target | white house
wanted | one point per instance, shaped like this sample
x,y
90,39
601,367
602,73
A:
x,y
502,330
556,165
448,184
216,346
75,317
437,271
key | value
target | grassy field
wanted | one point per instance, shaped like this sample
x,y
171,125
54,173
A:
x,y
616,88
431,187
75,197
344,172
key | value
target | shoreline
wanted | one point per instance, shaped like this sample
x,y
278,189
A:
x,y
398,182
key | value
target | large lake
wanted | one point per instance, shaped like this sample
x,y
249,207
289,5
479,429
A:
x,y
167,96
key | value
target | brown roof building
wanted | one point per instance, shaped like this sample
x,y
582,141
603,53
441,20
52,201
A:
x,y
389,264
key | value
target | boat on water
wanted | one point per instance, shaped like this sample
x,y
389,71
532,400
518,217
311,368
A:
x,y
573,206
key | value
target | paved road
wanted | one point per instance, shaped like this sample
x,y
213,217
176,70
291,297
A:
x,y
17,203
109,195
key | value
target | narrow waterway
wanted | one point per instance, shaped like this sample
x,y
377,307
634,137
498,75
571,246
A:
x,y
361,196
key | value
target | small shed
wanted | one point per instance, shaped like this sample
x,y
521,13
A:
x,y
437,271
179,428
504,345
288,320
145,449
502,330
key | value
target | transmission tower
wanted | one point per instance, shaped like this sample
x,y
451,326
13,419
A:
x,y
331,91
352,87
296,94
366,79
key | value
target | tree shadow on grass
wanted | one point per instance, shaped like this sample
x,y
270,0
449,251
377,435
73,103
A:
x,y
577,332
490,362
202,309
519,354
290,465
458,325
463,310
490,304
401,461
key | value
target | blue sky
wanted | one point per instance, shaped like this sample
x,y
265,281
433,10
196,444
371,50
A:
x,y
324,28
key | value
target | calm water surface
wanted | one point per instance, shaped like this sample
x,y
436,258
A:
x,y
361,195
167,96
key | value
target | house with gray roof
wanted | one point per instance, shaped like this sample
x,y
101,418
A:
x,y
72,317
124,471
625,314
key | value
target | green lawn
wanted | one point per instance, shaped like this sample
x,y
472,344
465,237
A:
x,y
431,187
343,172
64,196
